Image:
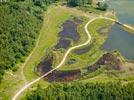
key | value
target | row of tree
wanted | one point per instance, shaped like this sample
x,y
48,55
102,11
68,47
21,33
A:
x,y
44,3
84,91
100,5
79,2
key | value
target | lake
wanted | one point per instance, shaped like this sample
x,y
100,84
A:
x,y
118,38
124,10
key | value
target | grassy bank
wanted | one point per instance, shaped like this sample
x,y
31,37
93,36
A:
x,y
95,52
52,18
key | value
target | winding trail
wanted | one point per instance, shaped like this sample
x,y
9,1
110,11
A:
x,y
27,85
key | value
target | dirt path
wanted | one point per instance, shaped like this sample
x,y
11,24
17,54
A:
x,y
23,65
61,63
27,85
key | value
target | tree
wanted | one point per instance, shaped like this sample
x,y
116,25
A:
x,y
19,28
102,6
78,2
84,91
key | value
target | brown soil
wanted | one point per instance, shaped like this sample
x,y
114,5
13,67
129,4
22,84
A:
x,y
62,76
45,65
110,61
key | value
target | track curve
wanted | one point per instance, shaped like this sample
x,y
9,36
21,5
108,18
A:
x,y
66,54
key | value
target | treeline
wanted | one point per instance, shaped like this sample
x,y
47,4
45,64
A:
x,y
84,91
44,3
100,5
79,2
20,23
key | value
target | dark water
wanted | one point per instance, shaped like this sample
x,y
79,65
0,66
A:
x,y
120,40
46,65
69,33
63,43
70,30
64,76
109,60
124,10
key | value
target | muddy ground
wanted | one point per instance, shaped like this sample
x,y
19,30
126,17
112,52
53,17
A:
x,y
109,60
68,34
64,76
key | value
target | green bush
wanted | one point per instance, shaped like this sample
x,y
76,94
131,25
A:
x,y
84,91
18,31
102,6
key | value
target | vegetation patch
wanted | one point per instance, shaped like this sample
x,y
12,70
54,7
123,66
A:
x,y
95,51
58,76
83,50
69,33
84,91
19,28
110,61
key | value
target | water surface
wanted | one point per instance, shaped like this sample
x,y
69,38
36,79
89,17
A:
x,y
120,40
124,10
69,33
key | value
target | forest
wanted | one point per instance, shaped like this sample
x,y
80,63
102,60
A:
x,y
21,22
84,91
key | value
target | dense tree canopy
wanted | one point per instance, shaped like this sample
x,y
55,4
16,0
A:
x,y
102,6
44,3
20,24
78,2
19,28
84,91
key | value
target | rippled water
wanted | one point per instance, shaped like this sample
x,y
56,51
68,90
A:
x,y
124,10
119,39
